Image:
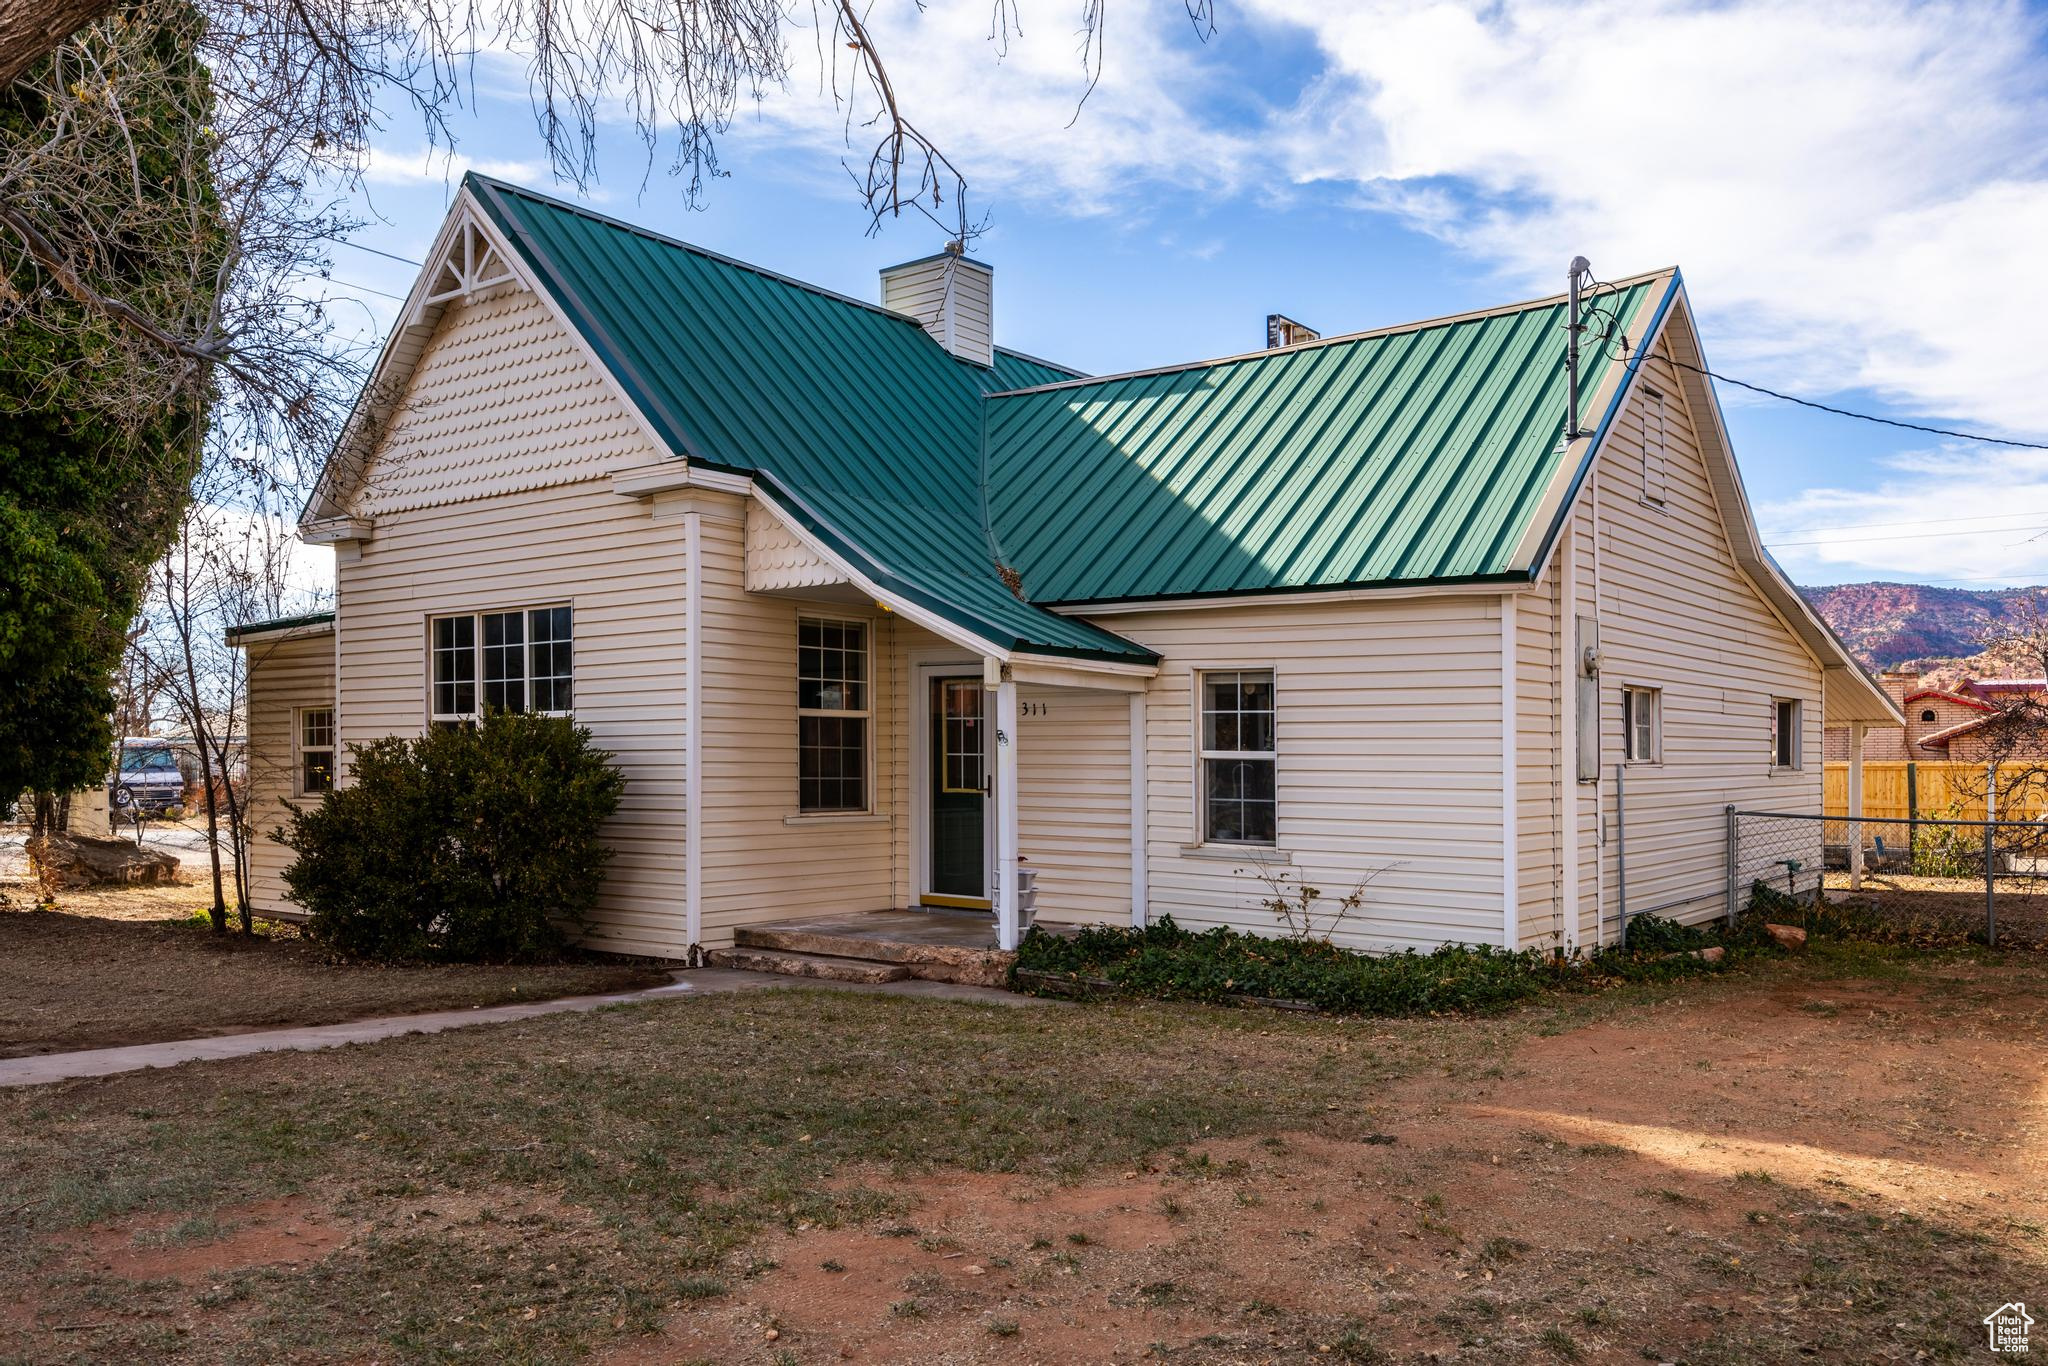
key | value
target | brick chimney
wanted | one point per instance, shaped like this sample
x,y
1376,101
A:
x,y
951,297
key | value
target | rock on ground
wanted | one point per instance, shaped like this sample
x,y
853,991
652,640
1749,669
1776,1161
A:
x,y
67,862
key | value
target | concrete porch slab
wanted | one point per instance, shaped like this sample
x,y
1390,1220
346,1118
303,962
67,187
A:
x,y
945,946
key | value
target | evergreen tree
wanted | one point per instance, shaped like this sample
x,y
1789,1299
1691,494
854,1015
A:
x,y
88,504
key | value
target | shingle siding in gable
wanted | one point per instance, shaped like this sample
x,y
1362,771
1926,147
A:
x,y
503,400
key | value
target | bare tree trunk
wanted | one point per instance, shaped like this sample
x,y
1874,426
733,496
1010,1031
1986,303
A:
x,y
30,29
50,813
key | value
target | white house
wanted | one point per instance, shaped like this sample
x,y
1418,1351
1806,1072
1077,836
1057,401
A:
x,y
873,612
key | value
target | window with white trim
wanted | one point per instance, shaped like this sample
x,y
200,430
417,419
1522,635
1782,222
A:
x,y
521,660
313,742
832,711
1642,725
1240,800
1656,438
1785,732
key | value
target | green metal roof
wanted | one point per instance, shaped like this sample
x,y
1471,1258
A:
x,y
850,417
1418,454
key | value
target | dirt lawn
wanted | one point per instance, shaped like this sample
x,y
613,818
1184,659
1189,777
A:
x,y
1840,1159
134,965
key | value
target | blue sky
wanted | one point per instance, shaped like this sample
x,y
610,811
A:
x,y
1857,195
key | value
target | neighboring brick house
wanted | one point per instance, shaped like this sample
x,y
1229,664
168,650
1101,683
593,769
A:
x,y
1941,723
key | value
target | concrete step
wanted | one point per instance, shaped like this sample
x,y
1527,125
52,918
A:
x,y
932,962
824,967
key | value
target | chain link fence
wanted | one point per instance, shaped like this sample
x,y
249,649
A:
x,y
1923,878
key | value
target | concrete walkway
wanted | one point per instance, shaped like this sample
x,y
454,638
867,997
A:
x,y
105,1062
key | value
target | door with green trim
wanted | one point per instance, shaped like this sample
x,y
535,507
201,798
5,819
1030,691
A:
x,y
959,793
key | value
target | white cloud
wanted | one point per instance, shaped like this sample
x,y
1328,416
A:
x,y
1856,193
1006,114
1952,514
425,165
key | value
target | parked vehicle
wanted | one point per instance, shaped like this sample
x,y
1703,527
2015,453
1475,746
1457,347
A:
x,y
148,779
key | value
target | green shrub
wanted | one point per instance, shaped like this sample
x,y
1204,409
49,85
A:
x,y
1166,962
466,844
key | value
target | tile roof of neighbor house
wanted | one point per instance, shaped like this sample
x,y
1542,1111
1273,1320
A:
x,y
1411,455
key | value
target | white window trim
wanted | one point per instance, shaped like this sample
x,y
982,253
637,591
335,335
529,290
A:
x,y
476,648
1656,754
1798,706
868,809
300,750
1203,840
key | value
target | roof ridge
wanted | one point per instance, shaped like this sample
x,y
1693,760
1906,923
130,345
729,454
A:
x,y
1368,334
620,224
666,240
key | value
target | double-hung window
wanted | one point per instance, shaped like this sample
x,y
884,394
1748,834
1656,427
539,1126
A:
x,y
520,660
1642,725
1239,797
314,742
832,715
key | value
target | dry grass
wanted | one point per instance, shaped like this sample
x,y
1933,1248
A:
x,y
1783,1167
139,965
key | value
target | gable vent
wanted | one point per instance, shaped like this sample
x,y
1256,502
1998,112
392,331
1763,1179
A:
x,y
951,297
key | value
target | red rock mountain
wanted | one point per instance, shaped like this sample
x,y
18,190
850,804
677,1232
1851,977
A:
x,y
1885,624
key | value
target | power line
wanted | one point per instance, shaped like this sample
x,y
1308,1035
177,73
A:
x,y
350,284
1921,521
375,251
1905,536
1861,417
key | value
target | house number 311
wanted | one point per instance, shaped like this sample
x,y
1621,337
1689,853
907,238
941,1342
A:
x,y
1034,708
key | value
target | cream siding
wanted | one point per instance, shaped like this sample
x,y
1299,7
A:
x,y
762,859
493,497
1074,802
285,677
1676,614
1389,734
1541,676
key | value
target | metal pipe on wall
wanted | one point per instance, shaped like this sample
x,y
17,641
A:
x,y
1620,856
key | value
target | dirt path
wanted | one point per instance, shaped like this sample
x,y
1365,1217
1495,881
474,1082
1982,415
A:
x,y
1831,1171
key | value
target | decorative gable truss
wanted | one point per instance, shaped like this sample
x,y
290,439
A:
x,y
469,262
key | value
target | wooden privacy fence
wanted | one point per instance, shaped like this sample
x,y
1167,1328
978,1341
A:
x,y
1900,790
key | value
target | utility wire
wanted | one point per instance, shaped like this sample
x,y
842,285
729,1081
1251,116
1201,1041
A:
x,y
350,284
1911,536
1922,521
1595,304
1861,417
374,251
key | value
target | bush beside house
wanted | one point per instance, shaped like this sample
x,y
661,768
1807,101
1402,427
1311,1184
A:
x,y
467,844
1165,962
